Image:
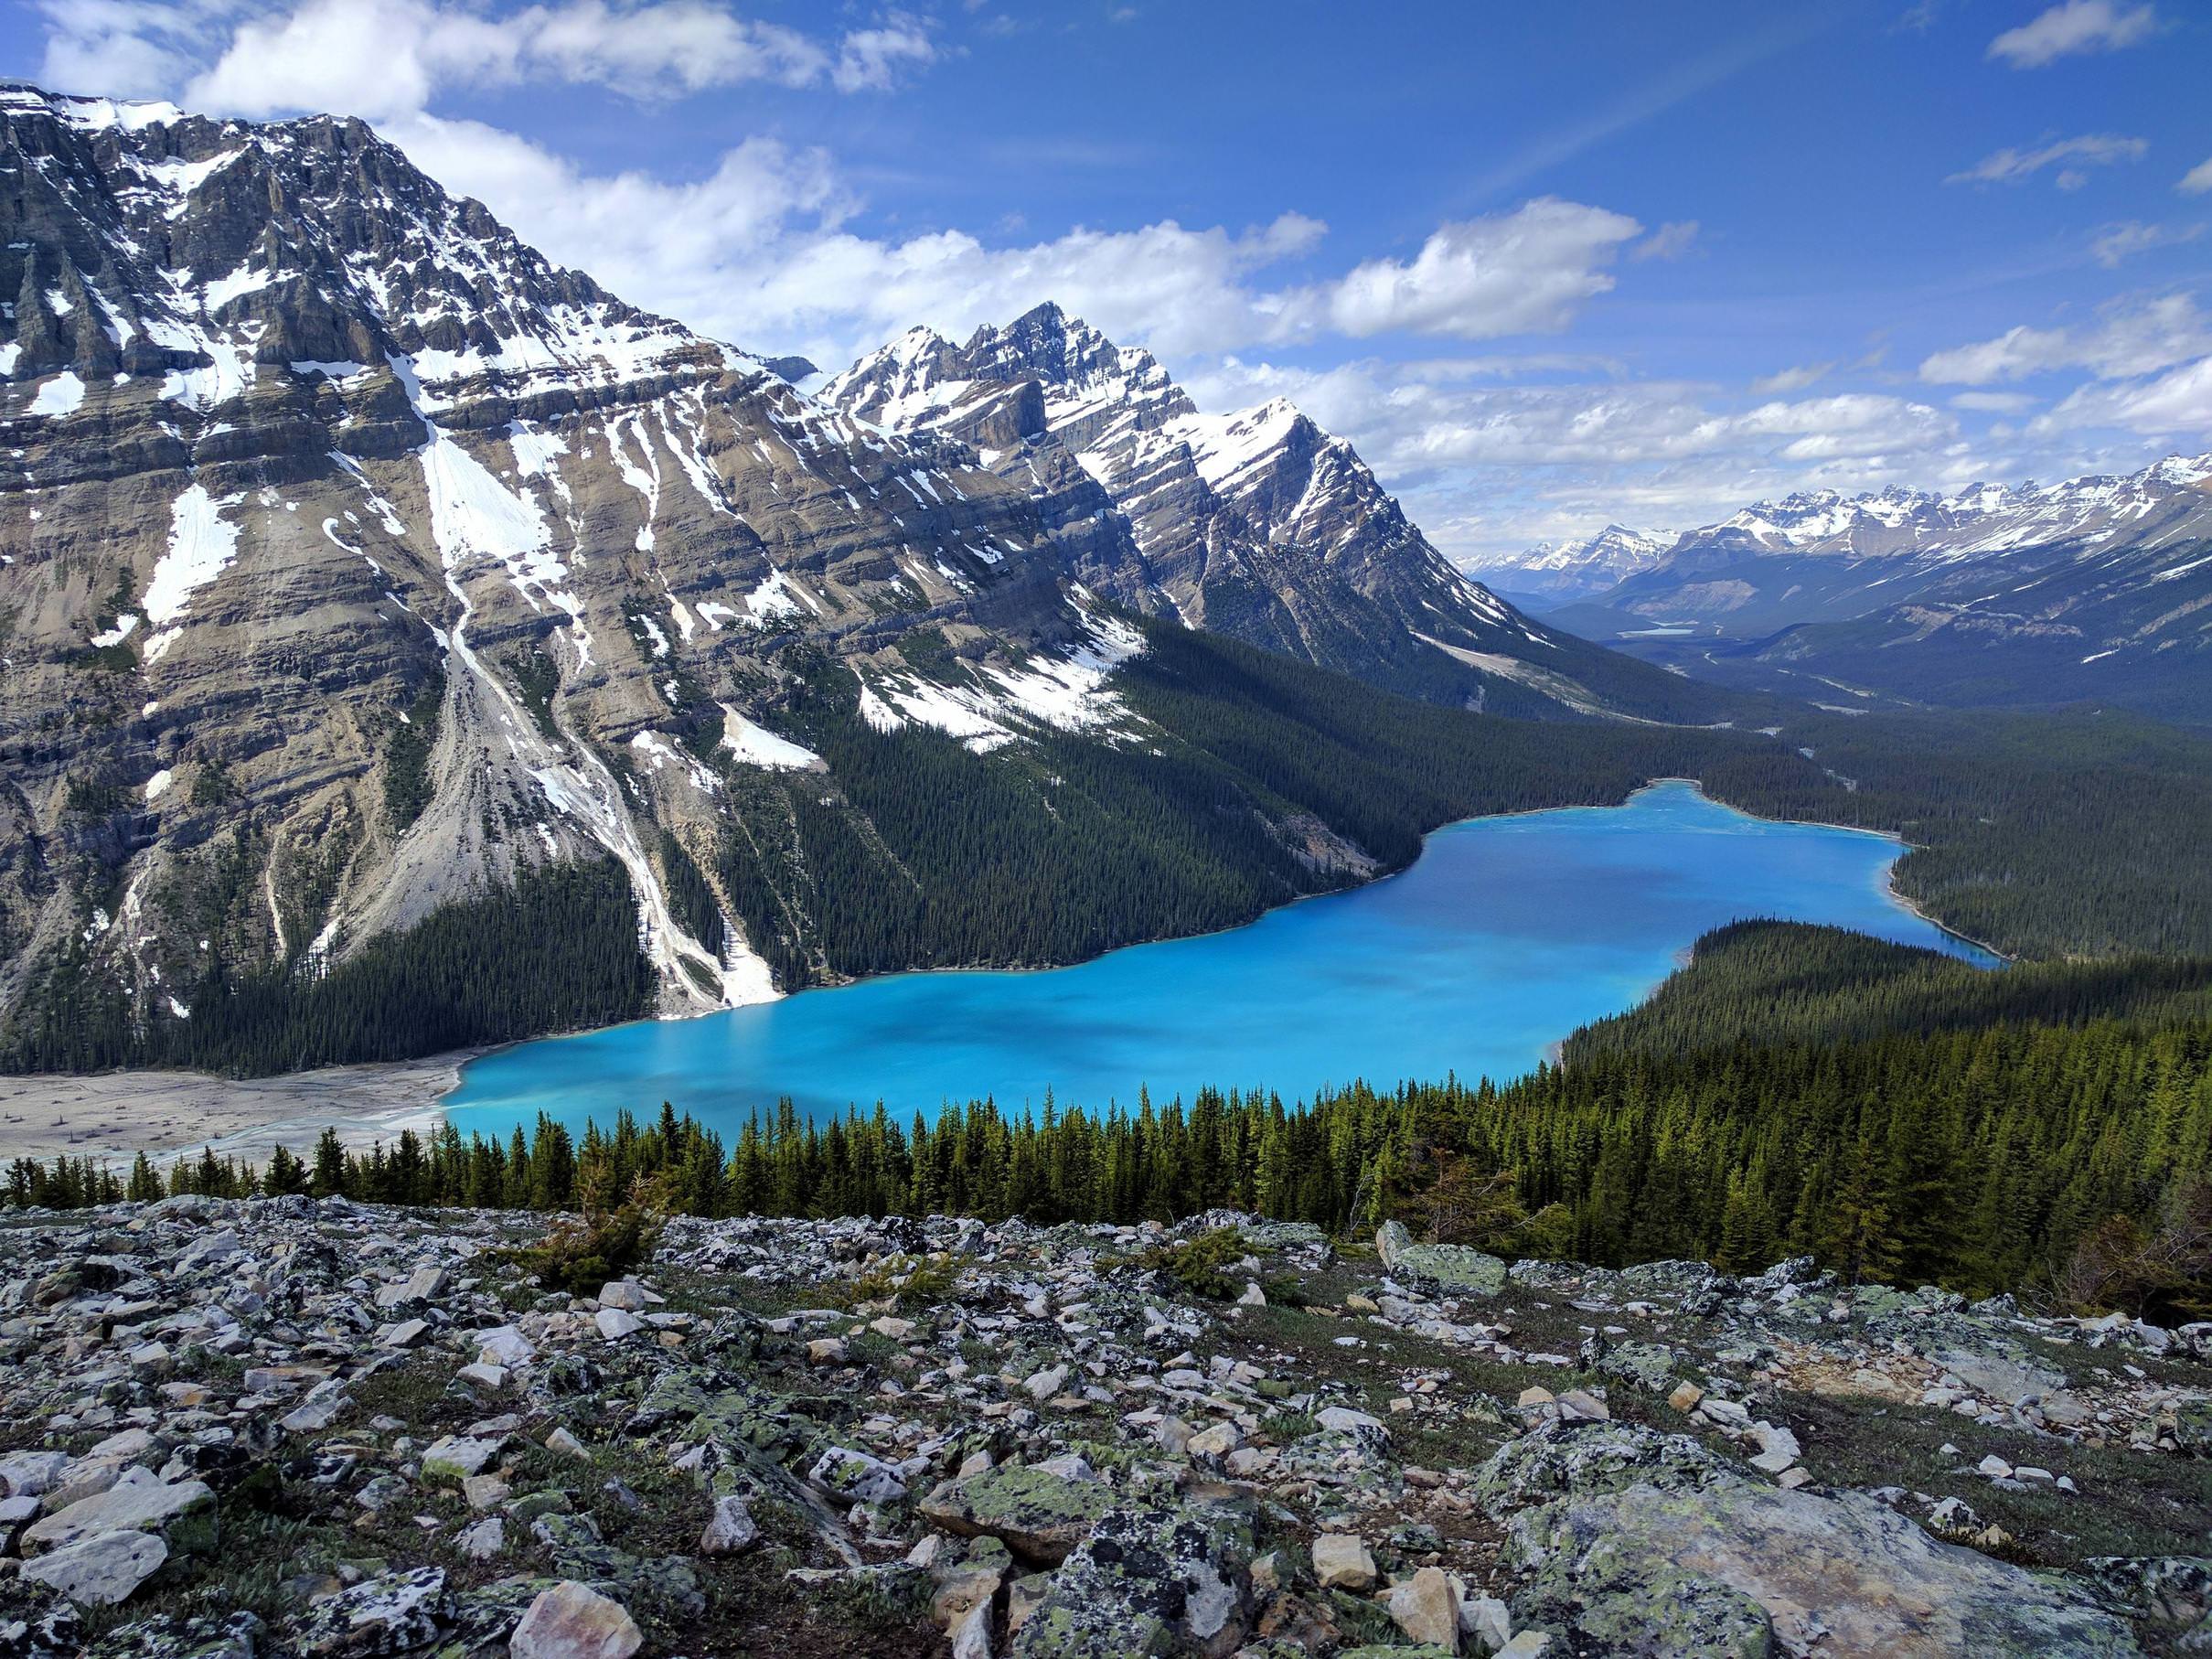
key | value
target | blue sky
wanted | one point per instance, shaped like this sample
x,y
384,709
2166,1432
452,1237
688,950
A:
x,y
1547,265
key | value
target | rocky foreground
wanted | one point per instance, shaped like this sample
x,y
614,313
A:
x,y
284,1427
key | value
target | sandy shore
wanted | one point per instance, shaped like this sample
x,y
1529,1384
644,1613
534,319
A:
x,y
113,1115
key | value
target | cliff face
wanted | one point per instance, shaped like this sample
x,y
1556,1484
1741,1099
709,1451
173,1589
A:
x,y
356,558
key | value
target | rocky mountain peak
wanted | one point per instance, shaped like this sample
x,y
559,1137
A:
x,y
1256,521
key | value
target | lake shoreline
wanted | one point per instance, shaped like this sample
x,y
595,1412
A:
x,y
111,1116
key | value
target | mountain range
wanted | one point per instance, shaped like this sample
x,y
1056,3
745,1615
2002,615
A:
x,y
2096,588
1553,573
363,570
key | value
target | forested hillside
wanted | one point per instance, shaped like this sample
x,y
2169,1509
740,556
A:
x,y
1773,982
2043,836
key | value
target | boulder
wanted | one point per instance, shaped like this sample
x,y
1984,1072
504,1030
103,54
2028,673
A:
x,y
1426,1608
572,1621
1341,1561
102,1568
1690,1559
1041,1516
138,1501
1445,1269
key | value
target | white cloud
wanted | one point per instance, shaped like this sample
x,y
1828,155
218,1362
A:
x,y
2196,180
2117,243
381,59
1791,379
871,58
1994,403
1670,240
1405,425
2076,26
673,248
1176,289
2133,337
2011,166
2177,403
1524,272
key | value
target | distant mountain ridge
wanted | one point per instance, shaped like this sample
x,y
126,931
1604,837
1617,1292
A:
x,y
1575,569
2091,587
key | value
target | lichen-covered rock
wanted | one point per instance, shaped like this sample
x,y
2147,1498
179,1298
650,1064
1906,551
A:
x,y
1712,1568
2170,1590
389,1614
1650,1367
1448,1269
1039,1515
856,1477
2193,1427
1562,1456
1145,1581
38,1623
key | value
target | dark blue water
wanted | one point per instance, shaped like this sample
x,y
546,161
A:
x,y
1506,935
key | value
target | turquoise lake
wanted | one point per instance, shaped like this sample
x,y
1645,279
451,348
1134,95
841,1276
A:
x,y
1506,935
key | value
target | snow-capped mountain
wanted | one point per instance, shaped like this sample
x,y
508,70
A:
x,y
355,560
2162,503
2093,587
1255,523
1558,571
1819,555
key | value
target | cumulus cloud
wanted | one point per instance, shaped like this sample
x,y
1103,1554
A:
x,y
2076,26
1406,424
380,58
2176,404
871,58
1524,272
2070,155
2196,180
2133,337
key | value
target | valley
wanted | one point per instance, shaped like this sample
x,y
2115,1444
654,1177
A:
x,y
931,940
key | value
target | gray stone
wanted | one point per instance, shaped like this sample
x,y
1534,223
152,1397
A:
x,y
101,1569
729,1529
138,1501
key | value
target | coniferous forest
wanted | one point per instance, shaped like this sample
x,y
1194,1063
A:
x,y
1904,1120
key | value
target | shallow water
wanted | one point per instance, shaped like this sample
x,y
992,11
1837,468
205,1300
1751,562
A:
x,y
1506,935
